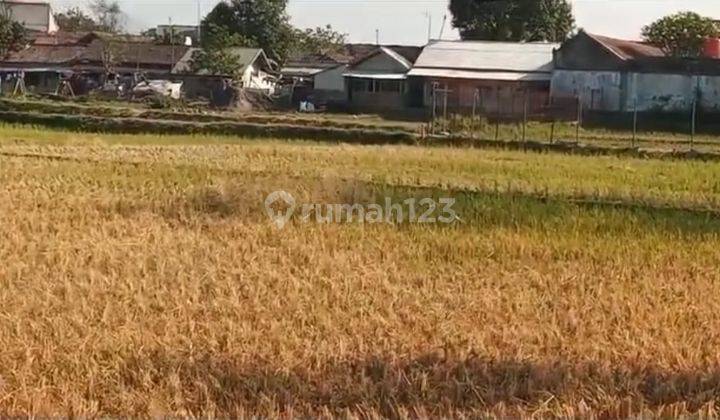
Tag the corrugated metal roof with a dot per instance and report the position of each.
(379, 76)
(301, 71)
(244, 56)
(488, 56)
(626, 49)
(396, 56)
(513, 76)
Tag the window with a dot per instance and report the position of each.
(388, 86)
(377, 86)
(361, 85)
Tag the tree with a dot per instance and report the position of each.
(681, 34)
(513, 20)
(256, 23)
(108, 15)
(12, 34)
(75, 20)
(216, 56)
(321, 40)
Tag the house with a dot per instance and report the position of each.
(614, 75)
(255, 71)
(378, 81)
(497, 78)
(94, 55)
(320, 75)
(303, 68)
(36, 16)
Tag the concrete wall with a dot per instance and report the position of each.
(618, 92)
(709, 93)
(660, 92)
(331, 80)
(33, 16)
(599, 90)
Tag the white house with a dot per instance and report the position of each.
(254, 68)
(35, 16)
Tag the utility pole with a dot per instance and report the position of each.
(199, 23)
(172, 43)
(442, 28)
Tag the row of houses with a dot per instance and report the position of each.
(88, 58)
(468, 75)
(509, 79)
(500, 78)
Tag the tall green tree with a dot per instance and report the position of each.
(76, 20)
(321, 40)
(513, 20)
(108, 15)
(681, 34)
(12, 34)
(257, 23)
(216, 56)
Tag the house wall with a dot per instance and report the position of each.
(380, 63)
(374, 97)
(42, 82)
(33, 16)
(584, 53)
(378, 101)
(618, 91)
(599, 90)
(710, 93)
(660, 92)
(331, 80)
(490, 97)
(255, 78)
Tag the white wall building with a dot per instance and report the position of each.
(33, 15)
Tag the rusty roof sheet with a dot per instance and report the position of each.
(128, 53)
(628, 50)
(47, 54)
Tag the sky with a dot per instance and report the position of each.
(406, 21)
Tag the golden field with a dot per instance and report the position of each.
(140, 276)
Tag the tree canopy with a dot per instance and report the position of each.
(76, 20)
(216, 56)
(256, 24)
(681, 34)
(513, 20)
(106, 17)
(12, 34)
(252, 23)
(321, 40)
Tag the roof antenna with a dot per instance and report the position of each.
(377, 36)
(428, 15)
(442, 28)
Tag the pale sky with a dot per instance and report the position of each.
(406, 21)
